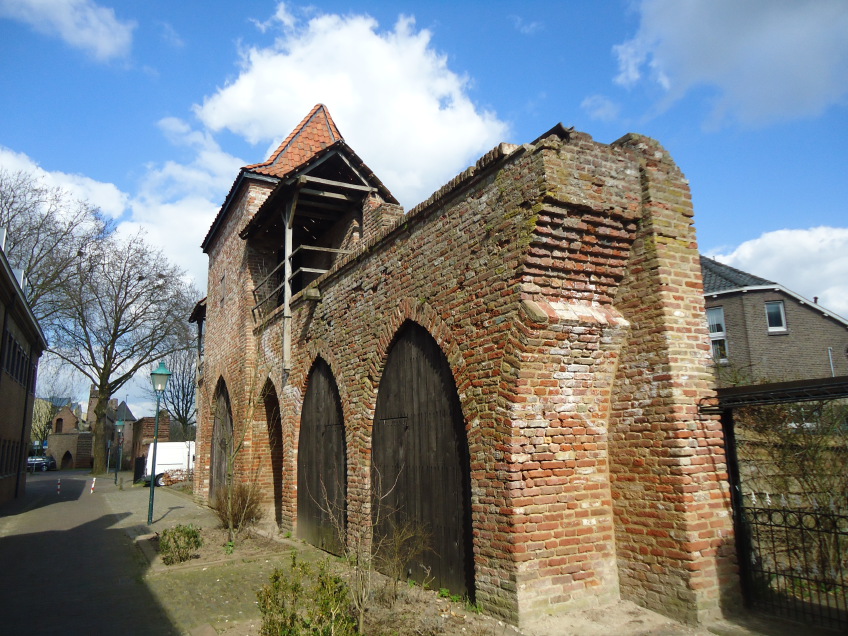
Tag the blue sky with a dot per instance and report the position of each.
(149, 108)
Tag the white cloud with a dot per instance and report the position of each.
(392, 95)
(525, 28)
(177, 203)
(769, 60)
(600, 108)
(106, 196)
(811, 262)
(281, 16)
(80, 23)
(170, 36)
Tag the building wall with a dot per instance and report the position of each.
(19, 353)
(77, 443)
(800, 352)
(138, 439)
(15, 424)
(561, 280)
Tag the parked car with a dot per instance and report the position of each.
(41, 463)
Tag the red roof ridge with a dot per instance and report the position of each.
(314, 133)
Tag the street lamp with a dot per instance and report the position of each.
(160, 381)
(119, 430)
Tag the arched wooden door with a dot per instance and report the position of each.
(421, 469)
(222, 439)
(275, 446)
(322, 464)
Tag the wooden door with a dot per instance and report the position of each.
(275, 447)
(222, 439)
(322, 464)
(420, 464)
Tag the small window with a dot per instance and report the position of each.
(775, 316)
(222, 289)
(718, 335)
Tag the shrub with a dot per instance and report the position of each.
(179, 544)
(237, 506)
(301, 601)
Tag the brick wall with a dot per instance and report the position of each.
(142, 434)
(800, 352)
(561, 281)
(72, 447)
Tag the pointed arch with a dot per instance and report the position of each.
(421, 467)
(274, 422)
(222, 439)
(322, 463)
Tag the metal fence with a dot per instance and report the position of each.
(792, 547)
(794, 563)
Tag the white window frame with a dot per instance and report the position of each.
(717, 335)
(782, 327)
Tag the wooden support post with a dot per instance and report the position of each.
(287, 292)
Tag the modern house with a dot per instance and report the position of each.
(21, 346)
(762, 331)
(514, 364)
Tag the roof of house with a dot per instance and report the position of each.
(720, 277)
(316, 132)
(723, 279)
(123, 413)
(313, 138)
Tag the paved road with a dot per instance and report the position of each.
(67, 563)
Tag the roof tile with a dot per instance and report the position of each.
(720, 277)
(315, 133)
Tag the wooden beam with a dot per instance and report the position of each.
(309, 270)
(315, 248)
(326, 205)
(321, 216)
(329, 195)
(355, 170)
(304, 179)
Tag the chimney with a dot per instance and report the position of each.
(815, 300)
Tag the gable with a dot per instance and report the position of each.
(315, 148)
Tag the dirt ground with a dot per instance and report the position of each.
(217, 590)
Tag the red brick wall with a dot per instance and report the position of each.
(674, 538)
(561, 281)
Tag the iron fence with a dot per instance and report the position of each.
(796, 563)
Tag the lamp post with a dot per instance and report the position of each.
(160, 381)
(119, 429)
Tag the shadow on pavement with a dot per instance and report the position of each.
(47, 488)
(66, 567)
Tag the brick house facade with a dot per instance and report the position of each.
(21, 345)
(560, 282)
(800, 341)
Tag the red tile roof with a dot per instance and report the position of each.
(312, 137)
(315, 133)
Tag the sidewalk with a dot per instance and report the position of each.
(68, 564)
(131, 505)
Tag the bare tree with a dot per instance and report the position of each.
(125, 308)
(53, 382)
(180, 395)
(43, 412)
(47, 230)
